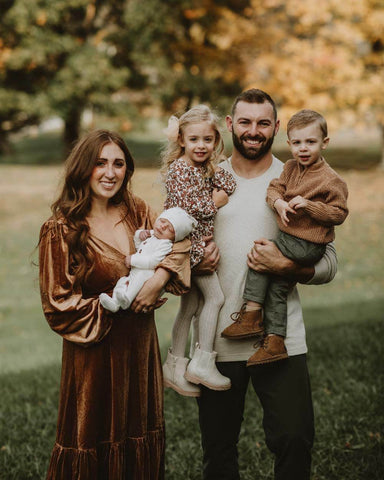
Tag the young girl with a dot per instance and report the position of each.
(196, 184)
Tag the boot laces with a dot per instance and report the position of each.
(263, 343)
(236, 316)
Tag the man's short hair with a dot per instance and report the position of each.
(254, 95)
(305, 117)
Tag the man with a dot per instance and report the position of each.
(282, 387)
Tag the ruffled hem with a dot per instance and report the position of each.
(140, 458)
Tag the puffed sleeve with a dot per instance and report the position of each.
(224, 180)
(178, 264)
(77, 319)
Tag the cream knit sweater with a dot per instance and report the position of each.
(245, 218)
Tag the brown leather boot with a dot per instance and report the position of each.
(272, 349)
(247, 324)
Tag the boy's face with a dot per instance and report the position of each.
(163, 229)
(307, 143)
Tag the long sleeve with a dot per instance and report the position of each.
(178, 264)
(186, 189)
(75, 318)
(326, 267)
(151, 252)
(334, 210)
(224, 180)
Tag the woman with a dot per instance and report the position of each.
(110, 423)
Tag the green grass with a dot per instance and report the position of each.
(47, 149)
(345, 327)
(348, 389)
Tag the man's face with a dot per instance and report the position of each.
(253, 129)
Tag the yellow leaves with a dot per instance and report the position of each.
(194, 13)
(41, 18)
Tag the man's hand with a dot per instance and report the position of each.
(210, 260)
(265, 257)
(298, 202)
(283, 208)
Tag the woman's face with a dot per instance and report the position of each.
(108, 173)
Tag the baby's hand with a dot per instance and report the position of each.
(144, 234)
(283, 208)
(298, 202)
(219, 197)
(127, 261)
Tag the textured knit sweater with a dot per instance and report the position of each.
(326, 193)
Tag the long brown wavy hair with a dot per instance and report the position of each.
(74, 202)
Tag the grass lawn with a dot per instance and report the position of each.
(345, 325)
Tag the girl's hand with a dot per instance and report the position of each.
(283, 208)
(127, 261)
(298, 202)
(144, 234)
(219, 197)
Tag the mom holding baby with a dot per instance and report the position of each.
(110, 421)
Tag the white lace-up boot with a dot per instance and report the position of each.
(173, 373)
(202, 369)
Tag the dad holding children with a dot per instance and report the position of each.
(283, 387)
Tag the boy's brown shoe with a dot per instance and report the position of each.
(246, 324)
(272, 349)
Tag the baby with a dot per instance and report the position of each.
(172, 225)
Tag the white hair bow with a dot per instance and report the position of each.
(172, 131)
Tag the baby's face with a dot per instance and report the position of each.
(163, 229)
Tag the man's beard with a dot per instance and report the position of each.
(252, 153)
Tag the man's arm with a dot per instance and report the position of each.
(265, 257)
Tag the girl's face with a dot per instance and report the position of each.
(198, 141)
(108, 173)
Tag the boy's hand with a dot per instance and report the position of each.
(219, 197)
(283, 208)
(298, 202)
(144, 234)
(127, 261)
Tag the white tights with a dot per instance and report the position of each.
(209, 288)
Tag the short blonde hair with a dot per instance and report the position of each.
(303, 118)
(173, 150)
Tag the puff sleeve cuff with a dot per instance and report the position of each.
(77, 319)
(178, 264)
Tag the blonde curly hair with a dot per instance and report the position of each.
(176, 126)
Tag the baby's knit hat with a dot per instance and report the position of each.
(181, 221)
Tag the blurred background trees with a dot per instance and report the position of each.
(129, 58)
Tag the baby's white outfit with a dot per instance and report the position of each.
(149, 253)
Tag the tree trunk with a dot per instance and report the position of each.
(382, 146)
(5, 144)
(72, 127)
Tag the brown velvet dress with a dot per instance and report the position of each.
(110, 421)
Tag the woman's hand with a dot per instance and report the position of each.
(148, 298)
(211, 258)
